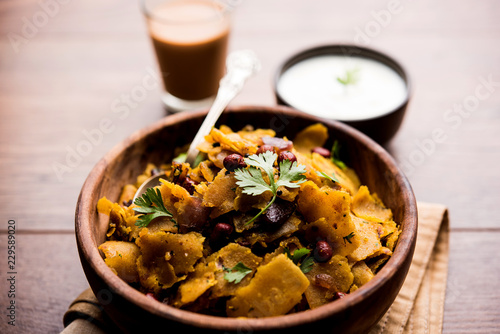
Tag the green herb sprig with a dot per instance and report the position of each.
(350, 77)
(150, 206)
(348, 237)
(306, 264)
(291, 175)
(335, 154)
(181, 158)
(332, 177)
(236, 273)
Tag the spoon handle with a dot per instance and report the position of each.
(240, 66)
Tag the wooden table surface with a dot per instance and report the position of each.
(66, 66)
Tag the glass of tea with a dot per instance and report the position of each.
(190, 39)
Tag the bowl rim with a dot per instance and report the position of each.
(339, 49)
(95, 261)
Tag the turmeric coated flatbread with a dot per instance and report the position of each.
(261, 226)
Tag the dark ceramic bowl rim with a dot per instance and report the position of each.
(339, 49)
(95, 261)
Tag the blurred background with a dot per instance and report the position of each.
(71, 69)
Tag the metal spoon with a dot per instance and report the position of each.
(240, 66)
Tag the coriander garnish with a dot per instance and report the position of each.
(306, 264)
(236, 273)
(350, 77)
(348, 237)
(180, 158)
(333, 178)
(336, 155)
(291, 175)
(297, 255)
(148, 212)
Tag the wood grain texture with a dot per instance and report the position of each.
(48, 276)
(472, 294)
(64, 80)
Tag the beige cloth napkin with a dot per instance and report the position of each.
(418, 308)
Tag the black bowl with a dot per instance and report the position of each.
(380, 128)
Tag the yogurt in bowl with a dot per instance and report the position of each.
(358, 86)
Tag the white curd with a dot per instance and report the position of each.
(312, 86)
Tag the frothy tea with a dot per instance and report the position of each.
(190, 39)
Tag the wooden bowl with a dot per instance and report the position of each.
(381, 128)
(133, 312)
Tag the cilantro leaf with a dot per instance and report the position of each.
(297, 255)
(350, 77)
(150, 206)
(199, 158)
(265, 161)
(180, 158)
(336, 155)
(326, 176)
(304, 265)
(252, 182)
(307, 264)
(290, 172)
(348, 237)
(237, 273)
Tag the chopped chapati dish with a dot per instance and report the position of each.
(260, 226)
